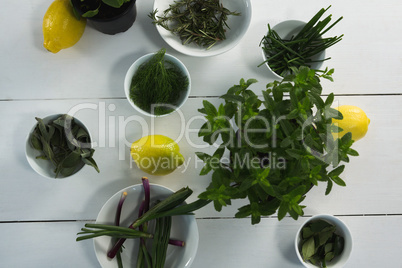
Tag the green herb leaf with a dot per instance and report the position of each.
(278, 151)
(157, 85)
(203, 22)
(209, 108)
(91, 162)
(55, 140)
(114, 3)
(308, 249)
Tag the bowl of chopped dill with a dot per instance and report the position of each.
(293, 43)
(202, 28)
(157, 84)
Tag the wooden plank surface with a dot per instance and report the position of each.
(223, 243)
(39, 217)
(367, 61)
(373, 184)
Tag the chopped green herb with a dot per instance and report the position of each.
(201, 22)
(64, 143)
(157, 84)
(299, 50)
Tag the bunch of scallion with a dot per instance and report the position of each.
(299, 50)
(157, 84)
(162, 213)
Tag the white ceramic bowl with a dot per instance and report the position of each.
(286, 29)
(183, 228)
(134, 67)
(44, 167)
(341, 229)
(238, 27)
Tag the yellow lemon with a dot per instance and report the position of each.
(156, 154)
(61, 29)
(354, 120)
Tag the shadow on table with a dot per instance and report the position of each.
(285, 237)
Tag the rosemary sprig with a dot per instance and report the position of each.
(284, 54)
(202, 22)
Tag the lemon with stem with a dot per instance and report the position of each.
(61, 29)
(354, 120)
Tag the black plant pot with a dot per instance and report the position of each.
(114, 24)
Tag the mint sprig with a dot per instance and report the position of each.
(278, 146)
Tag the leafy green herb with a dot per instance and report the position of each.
(64, 143)
(91, 8)
(157, 84)
(283, 54)
(201, 22)
(320, 243)
(275, 154)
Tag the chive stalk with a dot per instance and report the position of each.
(284, 54)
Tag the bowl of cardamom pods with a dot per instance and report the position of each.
(157, 84)
(202, 28)
(323, 241)
(59, 146)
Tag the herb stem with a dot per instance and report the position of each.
(283, 55)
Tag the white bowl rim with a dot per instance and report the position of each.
(202, 52)
(298, 23)
(34, 163)
(339, 223)
(131, 71)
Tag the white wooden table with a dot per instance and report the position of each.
(39, 217)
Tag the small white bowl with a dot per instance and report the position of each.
(341, 229)
(134, 67)
(286, 29)
(238, 28)
(44, 167)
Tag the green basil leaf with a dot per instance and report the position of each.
(308, 249)
(306, 232)
(323, 237)
(319, 225)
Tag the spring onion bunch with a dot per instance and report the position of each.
(299, 50)
(162, 213)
